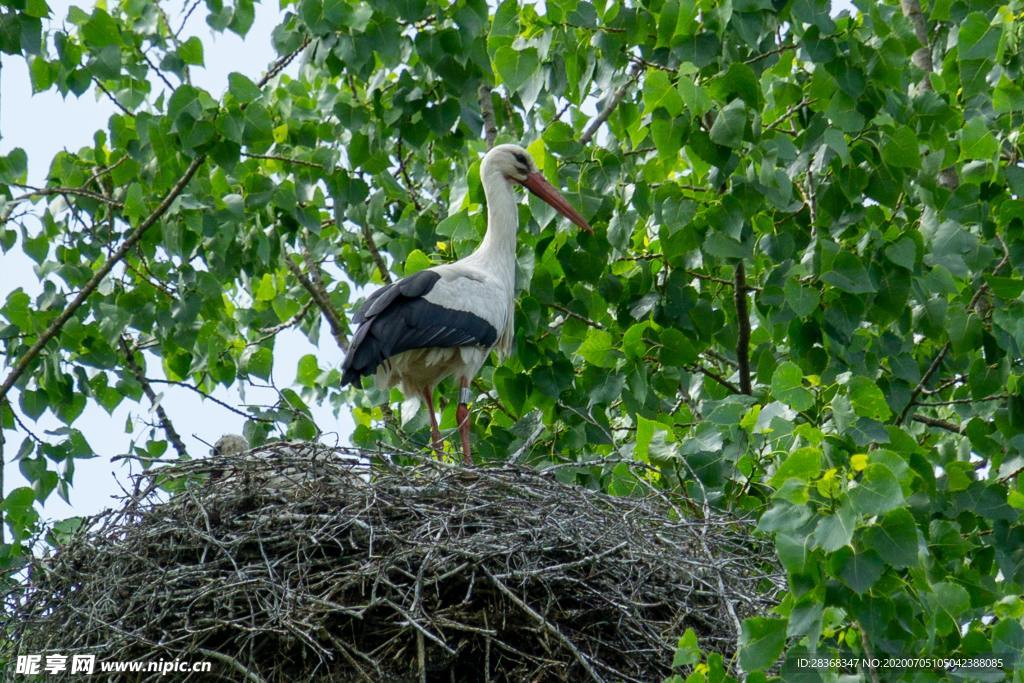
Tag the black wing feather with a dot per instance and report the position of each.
(397, 318)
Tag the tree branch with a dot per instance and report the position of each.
(284, 160)
(574, 314)
(205, 395)
(322, 302)
(133, 238)
(3, 492)
(935, 422)
(922, 58)
(161, 414)
(936, 362)
(610, 105)
(487, 112)
(718, 378)
(75, 191)
(378, 260)
(743, 329)
(110, 96)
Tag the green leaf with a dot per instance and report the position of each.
(1005, 287)
(803, 300)
(802, 464)
(134, 203)
(977, 38)
(18, 506)
(859, 571)
(676, 348)
(645, 432)
(787, 386)
(903, 252)
(659, 92)
(687, 650)
(41, 73)
(895, 539)
(416, 261)
(597, 348)
(513, 388)
(843, 112)
(191, 51)
(849, 275)
(516, 67)
(761, 642)
(633, 343)
(976, 141)
(308, 370)
(259, 362)
(949, 601)
(695, 98)
(729, 125)
(900, 149)
(101, 30)
(877, 491)
(836, 530)
(241, 88)
(868, 400)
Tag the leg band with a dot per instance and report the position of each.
(465, 395)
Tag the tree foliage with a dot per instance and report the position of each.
(803, 302)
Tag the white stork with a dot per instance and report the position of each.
(444, 320)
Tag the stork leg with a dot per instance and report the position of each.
(462, 417)
(435, 433)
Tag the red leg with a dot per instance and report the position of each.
(462, 416)
(435, 433)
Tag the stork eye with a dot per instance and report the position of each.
(521, 158)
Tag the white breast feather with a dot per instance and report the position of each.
(473, 291)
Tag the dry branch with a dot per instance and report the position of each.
(154, 400)
(302, 562)
(319, 296)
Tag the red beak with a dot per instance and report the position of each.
(539, 185)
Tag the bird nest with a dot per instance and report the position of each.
(295, 562)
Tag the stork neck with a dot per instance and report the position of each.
(499, 244)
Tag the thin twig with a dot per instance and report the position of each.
(232, 662)
(935, 422)
(958, 401)
(610, 105)
(577, 316)
(110, 96)
(285, 160)
(546, 625)
(154, 400)
(743, 329)
(74, 191)
(936, 362)
(718, 378)
(222, 404)
(378, 260)
(322, 302)
(769, 53)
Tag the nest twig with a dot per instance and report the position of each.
(296, 562)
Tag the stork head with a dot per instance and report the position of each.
(516, 165)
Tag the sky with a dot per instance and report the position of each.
(43, 125)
